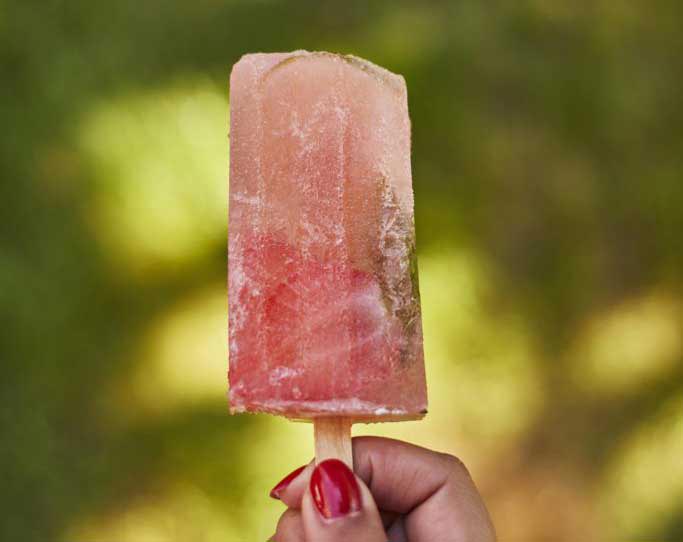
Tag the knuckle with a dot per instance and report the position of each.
(455, 466)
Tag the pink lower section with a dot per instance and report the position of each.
(318, 336)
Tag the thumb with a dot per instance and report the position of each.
(338, 507)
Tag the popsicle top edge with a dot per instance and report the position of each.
(265, 62)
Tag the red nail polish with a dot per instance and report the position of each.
(334, 489)
(282, 484)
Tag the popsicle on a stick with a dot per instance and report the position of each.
(324, 308)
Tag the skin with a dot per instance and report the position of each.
(409, 494)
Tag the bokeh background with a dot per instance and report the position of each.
(548, 170)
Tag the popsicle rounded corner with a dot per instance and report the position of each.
(264, 64)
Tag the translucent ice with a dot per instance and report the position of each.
(323, 294)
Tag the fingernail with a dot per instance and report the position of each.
(282, 484)
(334, 489)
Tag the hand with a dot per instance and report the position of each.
(400, 493)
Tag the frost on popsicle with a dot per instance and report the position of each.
(324, 303)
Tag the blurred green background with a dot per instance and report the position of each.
(548, 171)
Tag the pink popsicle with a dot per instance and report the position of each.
(324, 309)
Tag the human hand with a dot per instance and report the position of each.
(400, 493)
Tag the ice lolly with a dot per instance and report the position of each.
(324, 307)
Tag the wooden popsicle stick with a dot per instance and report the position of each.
(333, 439)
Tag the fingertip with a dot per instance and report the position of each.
(292, 494)
(337, 506)
(282, 485)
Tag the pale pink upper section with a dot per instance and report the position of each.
(324, 305)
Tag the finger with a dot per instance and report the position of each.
(291, 488)
(435, 490)
(338, 507)
(400, 475)
(290, 527)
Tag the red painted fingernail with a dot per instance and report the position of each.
(282, 484)
(334, 489)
